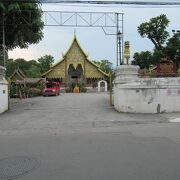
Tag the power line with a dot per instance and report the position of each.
(110, 2)
(120, 6)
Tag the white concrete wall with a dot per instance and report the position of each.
(3, 91)
(146, 95)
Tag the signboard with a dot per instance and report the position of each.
(166, 69)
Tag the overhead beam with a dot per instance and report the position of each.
(161, 3)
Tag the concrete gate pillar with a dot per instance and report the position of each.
(3, 91)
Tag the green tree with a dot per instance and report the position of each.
(156, 57)
(21, 64)
(22, 23)
(30, 68)
(155, 30)
(142, 59)
(45, 62)
(165, 47)
(12, 65)
(34, 71)
(172, 49)
(105, 65)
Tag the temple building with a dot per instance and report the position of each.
(75, 67)
(17, 75)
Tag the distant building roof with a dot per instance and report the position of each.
(18, 74)
(31, 81)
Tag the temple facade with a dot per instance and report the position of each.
(75, 67)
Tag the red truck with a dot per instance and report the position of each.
(51, 88)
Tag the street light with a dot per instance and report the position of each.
(119, 45)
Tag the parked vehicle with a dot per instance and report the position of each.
(51, 88)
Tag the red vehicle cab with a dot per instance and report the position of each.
(51, 88)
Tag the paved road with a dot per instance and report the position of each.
(79, 136)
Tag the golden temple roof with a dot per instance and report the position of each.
(75, 40)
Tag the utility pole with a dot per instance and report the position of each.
(117, 43)
(4, 45)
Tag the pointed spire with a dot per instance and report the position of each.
(75, 33)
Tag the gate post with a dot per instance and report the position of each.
(3, 91)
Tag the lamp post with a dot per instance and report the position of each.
(119, 46)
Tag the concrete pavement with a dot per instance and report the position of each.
(67, 113)
(79, 136)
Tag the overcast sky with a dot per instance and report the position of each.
(94, 42)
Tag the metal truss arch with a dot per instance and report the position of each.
(103, 20)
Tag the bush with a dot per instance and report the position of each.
(14, 91)
(83, 90)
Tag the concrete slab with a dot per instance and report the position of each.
(79, 136)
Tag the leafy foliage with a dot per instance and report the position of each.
(105, 65)
(34, 71)
(168, 48)
(142, 59)
(155, 30)
(12, 65)
(45, 62)
(172, 49)
(30, 68)
(23, 24)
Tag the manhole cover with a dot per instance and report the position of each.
(15, 167)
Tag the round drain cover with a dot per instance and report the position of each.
(15, 167)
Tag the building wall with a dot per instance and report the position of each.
(3, 91)
(92, 72)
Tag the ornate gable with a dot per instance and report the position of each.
(17, 75)
(92, 71)
(75, 55)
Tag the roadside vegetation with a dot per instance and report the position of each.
(166, 47)
(22, 23)
(32, 68)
